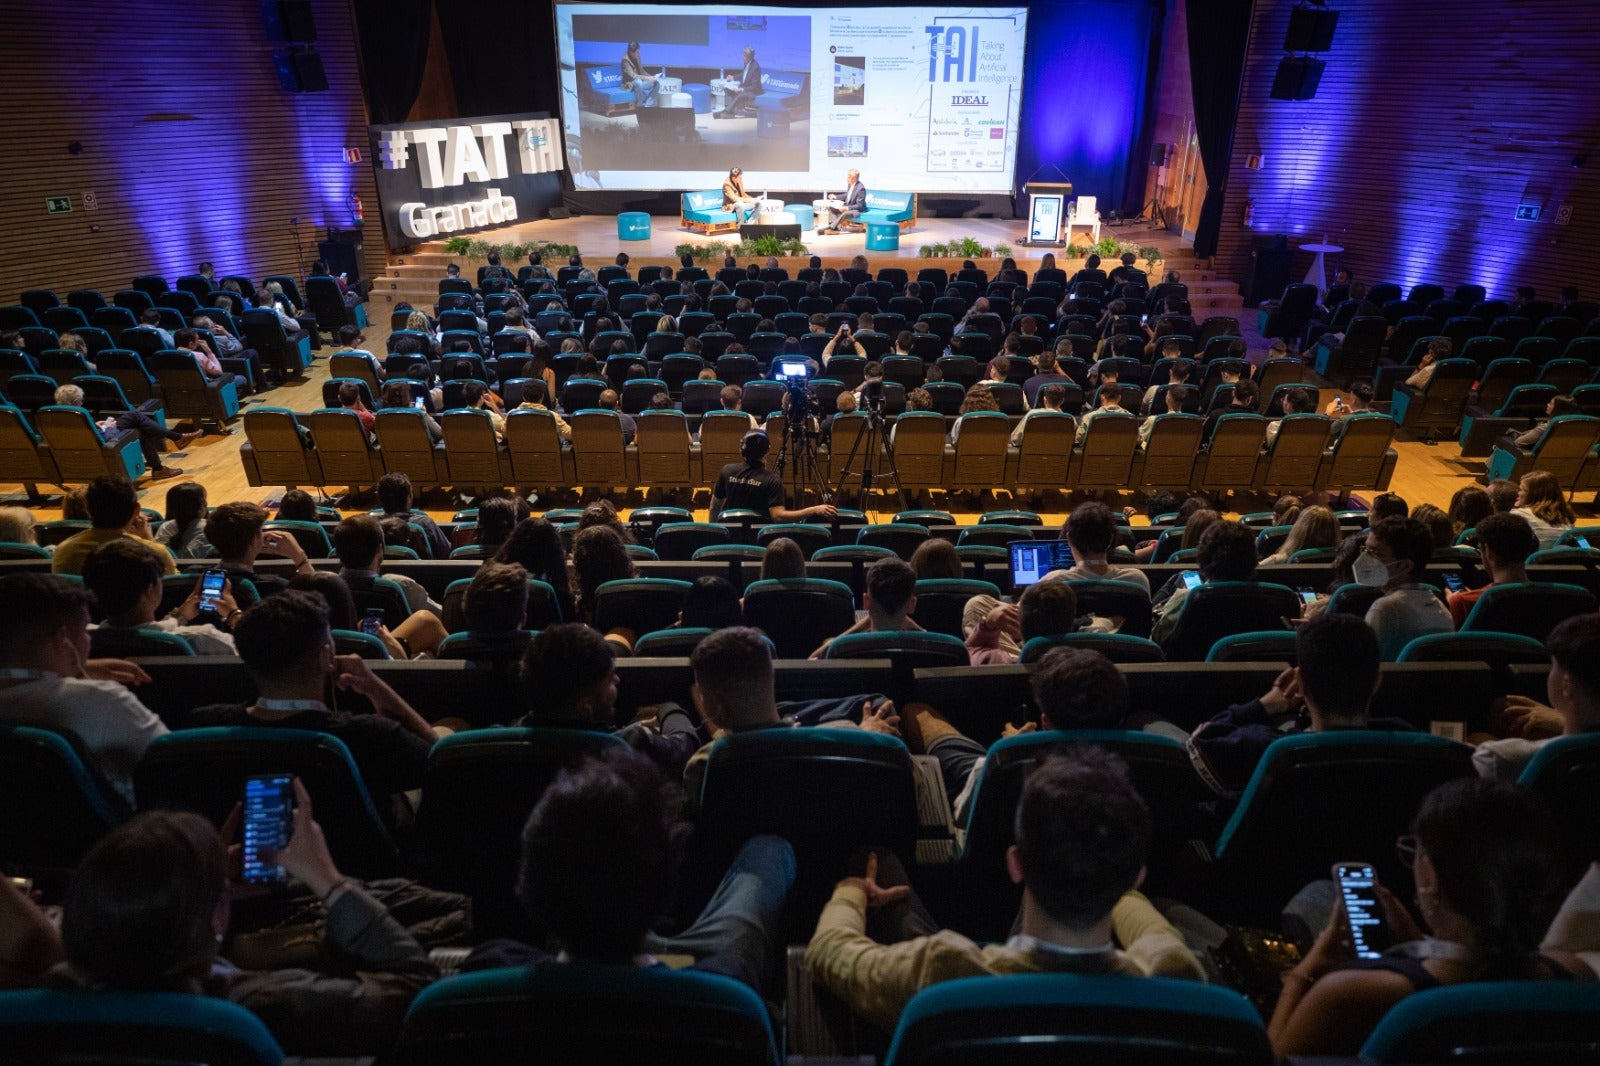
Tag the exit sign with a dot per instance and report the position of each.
(1529, 212)
(58, 205)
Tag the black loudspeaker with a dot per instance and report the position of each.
(300, 71)
(1310, 30)
(1158, 155)
(1271, 263)
(560, 212)
(1298, 78)
(289, 20)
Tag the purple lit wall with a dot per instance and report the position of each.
(1084, 96)
(190, 147)
(1433, 122)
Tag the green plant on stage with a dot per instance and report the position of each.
(1002, 250)
(684, 249)
(513, 253)
(1151, 256)
(479, 249)
(966, 248)
(1108, 248)
(457, 245)
(1076, 251)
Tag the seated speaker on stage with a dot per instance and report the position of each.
(644, 87)
(832, 210)
(735, 199)
(746, 89)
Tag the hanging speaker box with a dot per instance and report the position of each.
(1297, 78)
(1310, 30)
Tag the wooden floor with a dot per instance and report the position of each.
(1425, 474)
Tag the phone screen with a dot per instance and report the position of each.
(372, 621)
(420, 404)
(1583, 542)
(1308, 597)
(1453, 582)
(1356, 881)
(211, 590)
(1191, 579)
(268, 815)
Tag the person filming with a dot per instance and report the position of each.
(751, 485)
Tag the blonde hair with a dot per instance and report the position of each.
(1541, 494)
(72, 342)
(16, 525)
(1317, 527)
(664, 324)
(418, 321)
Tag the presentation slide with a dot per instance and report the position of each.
(916, 99)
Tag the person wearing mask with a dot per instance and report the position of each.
(1395, 555)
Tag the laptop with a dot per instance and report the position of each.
(1031, 560)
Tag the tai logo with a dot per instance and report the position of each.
(960, 47)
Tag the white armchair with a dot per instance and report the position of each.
(1083, 214)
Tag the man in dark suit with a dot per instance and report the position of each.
(749, 86)
(831, 212)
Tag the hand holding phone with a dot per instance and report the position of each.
(1191, 579)
(372, 621)
(212, 586)
(1363, 913)
(268, 820)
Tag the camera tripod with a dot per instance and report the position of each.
(799, 444)
(870, 437)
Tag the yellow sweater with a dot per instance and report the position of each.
(878, 980)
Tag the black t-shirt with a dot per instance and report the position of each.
(389, 757)
(749, 485)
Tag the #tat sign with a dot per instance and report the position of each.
(436, 180)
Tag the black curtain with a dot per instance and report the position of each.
(1219, 34)
(502, 60)
(394, 52)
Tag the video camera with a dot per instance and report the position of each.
(795, 375)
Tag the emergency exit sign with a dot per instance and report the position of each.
(58, 205)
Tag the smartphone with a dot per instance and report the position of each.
(1356, 882)
(1453, 582)
(1191, 579)
(1308, 596)
(1583, 542)
(420, 403)
(211, 586)
(372, 621)
(268, 818)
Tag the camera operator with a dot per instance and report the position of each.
(749, 484)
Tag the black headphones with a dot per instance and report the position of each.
(754, 446)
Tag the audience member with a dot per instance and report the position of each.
(936, 559)
(48, 680)
(1045, 608)
(1486, 857)
(1330, 689)
(1090, 531)
(1083, 836)
(1540, 501)
(1469, 506)
(113, 512)
(125, 577)
(235, 531)
(184, 531)
(358, 543)
(1226, 552)
(782, 560)
(1396, 553)
(1573, 688)
(749, 484)
(395, 500)
(888, 601)
(710, 602)
(1049, 398)
(152, 434)
(1316, 527)
(1242, 403)
(535, 545)
(1387, 505)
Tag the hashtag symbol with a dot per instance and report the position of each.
(393, 151)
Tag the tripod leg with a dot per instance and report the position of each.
(894, 469)
(844, 471)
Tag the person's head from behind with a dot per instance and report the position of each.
(1403, 546)
(1083, 834)
(234, 529)
(891, 590)
(394, 493)
(472, 393)
(1574, 682)
(1090, 530)
(569, 677)
(601, 854)
(598, 555)
(349, 394)
(1077, 688)
(334, 592)
(186, 503)
(497, 599)
(1387, 505)
(113, 502)
(733, 686)
(1540, 492)
(1504, 543)
(782, 560)
(1316, 527)
(44, 623)
(148, 905)
(1439, 525)
(497, 517)
(125, 577)
(1469, 506)
(1047, 608)
(18, 526)
(1226, 552)
(297, 505)
(1177, 396)
(69, 396)
(358, 542)
(710, 603)
(1245, 394)
(1488, 870)
(285, 638)
(936, 558)
(1338, 667)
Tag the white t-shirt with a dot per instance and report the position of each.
(114, 726)
(1548, 534)
(1102, 572)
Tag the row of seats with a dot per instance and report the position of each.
(664, 455)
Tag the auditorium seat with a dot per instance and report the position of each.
(204, 770)
(1564, 449)
(344, 453)
(642, 604)
(1490, 1021)
(811, 537)
(189, 395)
(535, 452)
(116, 642)
(941, 601)
(1362, 457)
(1530, 608)
(1118, 647)
(1218, 609)
(582, 1012)
(1108, 598)
(901, 538)
(1292, 460)
(57, 1025)
(1168, 459)
(1269, 646)
(406, 448)
(798, 614)
(1104, 458)
(41, 770)
(1318, 798)
(264, 332)
(78, 449)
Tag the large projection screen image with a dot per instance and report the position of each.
(918, 99)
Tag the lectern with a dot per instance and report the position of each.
(1047, 212)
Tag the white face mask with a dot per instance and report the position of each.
(1370, 570)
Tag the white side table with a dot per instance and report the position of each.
(1318, 274)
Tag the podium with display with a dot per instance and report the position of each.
(1047, 213)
